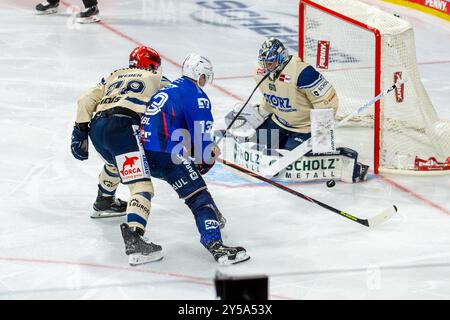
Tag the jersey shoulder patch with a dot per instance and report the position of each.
(308, 78)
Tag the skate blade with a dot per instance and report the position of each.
(240, 257)
(92, 19)
(49, 11)
(136, 259)
(106, 214)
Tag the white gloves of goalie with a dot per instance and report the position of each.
(251, 117)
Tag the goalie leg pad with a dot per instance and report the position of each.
(352, 170)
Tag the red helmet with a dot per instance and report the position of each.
(145, 58)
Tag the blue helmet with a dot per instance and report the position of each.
(272, 50)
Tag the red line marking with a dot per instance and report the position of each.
(415, 195)
(196, 280)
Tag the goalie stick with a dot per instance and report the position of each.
(242, 108)
(298, 152)
(371, 222)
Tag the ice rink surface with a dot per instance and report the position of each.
(51, 249)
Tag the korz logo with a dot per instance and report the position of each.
(323, 88)
(211, 224)
(203, 103)
(399, 91)
(323, 53)
(277, 102)
(129, 162)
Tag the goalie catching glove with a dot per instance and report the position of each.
(248, 120)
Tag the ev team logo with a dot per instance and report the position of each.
(130, 166)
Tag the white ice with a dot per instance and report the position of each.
(51, 249)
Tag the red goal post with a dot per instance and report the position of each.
(406, 130)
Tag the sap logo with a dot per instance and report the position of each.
(203, 103)
(278, 102)
(323, 88)
(211, 224)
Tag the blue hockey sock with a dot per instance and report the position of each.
(202, 206)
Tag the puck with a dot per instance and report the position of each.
(331, 183)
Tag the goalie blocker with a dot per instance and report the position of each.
(323, 163)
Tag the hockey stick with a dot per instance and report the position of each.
(298, 152)
(242, 108)
(371, 222)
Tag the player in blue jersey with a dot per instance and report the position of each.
(178, 144)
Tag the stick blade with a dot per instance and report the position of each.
(382, 217)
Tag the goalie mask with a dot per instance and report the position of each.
(194, 66)
(273, 56)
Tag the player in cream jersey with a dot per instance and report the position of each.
(129, 88)
(110, 114)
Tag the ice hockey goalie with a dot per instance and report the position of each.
(298, 103)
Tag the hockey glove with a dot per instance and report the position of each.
(205, 167)
(80, 142)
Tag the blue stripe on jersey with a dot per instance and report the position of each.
(136, 101)
(308, 78)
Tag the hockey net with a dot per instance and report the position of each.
(362, 50)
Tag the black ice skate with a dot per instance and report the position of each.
(47, 8)
(139, 249)
(89, 15)
(227, 255)
(108, 207)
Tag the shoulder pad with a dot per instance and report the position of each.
(308, 78)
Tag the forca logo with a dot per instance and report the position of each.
(130, 163)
